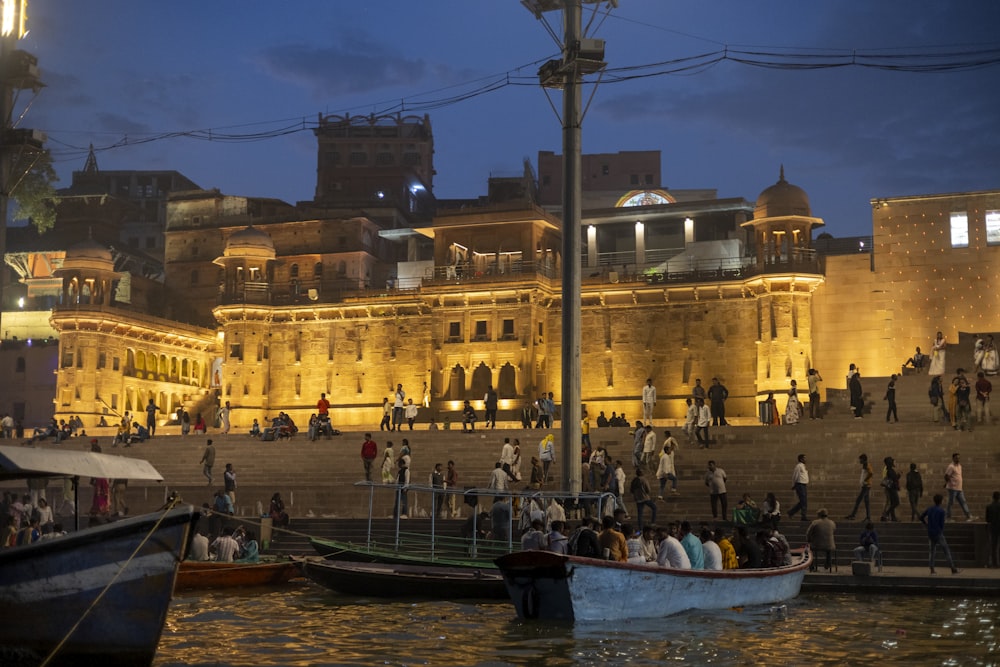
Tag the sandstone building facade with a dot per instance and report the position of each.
(374, 284)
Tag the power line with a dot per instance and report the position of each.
(943, 59)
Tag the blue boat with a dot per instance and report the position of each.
(96, 596)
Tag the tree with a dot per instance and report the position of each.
(31, 179)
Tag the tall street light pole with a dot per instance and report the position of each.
(579, 57)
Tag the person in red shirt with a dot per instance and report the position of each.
(323, 406)
(369, 450)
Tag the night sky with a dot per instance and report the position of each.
(156, 79)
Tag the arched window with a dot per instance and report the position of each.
(318, 270)
(294, 271)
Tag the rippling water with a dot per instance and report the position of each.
(303, 624)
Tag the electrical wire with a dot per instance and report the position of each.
(927, 61)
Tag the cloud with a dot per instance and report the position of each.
(353, 64)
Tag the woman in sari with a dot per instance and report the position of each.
(937, 366)
(792, 407)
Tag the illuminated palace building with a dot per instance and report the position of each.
(376, 282)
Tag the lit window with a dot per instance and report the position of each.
(960, 230)
(993, 227)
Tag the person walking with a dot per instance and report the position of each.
(704, 421)
(666, 471)
(207, 461)
(890, 399)
(914, 490)
(800, 484)
(934, 517)
(715, 480)
(953, 482)
(864, 495)
(641, 494)
(890, 482)
(369, 450)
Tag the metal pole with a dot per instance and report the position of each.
(571, 393)
(8, 44)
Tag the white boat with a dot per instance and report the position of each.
(546, 585)
(95, 596)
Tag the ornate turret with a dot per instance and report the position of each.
(248, 262)
(783, 224)
(88, 274)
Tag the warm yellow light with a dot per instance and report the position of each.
(14, 18)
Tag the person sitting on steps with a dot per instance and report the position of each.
(918, 361)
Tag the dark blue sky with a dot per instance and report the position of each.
(123, 71)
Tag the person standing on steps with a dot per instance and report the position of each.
(451, 482)
(369, 451)
(864, 495)
(715, 480)
(717, 395)
(386, 423)
(937, 366)
(207, 461)
(490, 402)
(934, 517)
(224, 417)
(914, 490)
(800, 484)
(398, 408)
(890, 399)
(857, 393)
(814, 378)
(648, 401)
(151, 410)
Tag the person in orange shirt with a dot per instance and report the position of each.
(612, 542)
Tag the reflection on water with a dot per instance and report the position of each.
(303, 624)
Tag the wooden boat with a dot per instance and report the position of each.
(406, 581)
(98, 595)
(337, 551)
(546, 585)
(194, 575)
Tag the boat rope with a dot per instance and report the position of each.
(174, 501)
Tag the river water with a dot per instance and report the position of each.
(304, 624)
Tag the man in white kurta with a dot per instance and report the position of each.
(648, 401)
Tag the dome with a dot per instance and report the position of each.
(782, 199)
(250, 242)
(89, 255)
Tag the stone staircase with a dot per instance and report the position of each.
(317, 479)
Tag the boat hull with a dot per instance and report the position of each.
(551, 586)
(47, 587)
(406, 581)
(194, 575)
(335, 551)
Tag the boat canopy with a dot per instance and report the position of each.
(25, 462)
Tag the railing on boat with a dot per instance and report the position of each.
(401, 540)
